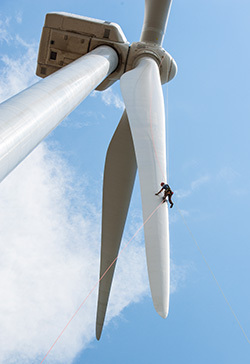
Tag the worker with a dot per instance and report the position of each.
(167, 193)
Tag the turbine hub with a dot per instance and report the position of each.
(166, 63)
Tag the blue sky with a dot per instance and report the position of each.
(51, 204)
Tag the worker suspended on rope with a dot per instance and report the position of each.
(167, 193)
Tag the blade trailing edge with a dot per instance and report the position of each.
(119, 175)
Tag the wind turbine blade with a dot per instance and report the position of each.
(143, 97)
(155, 20)
(119, 176)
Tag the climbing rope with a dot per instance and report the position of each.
(212, 274)
(96, 284)
(122, 250)
(185, 223)
(167, 132)
(140, 228)
(163, 172)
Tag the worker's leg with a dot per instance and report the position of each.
(170, 200)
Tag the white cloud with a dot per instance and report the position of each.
(49, 252)
(49, 249)
(194, 186)
(228, 174)
(49, 261)
(4, 32)
(232, 180)
(110, 98)
(5, 28)
(17, 73)
(199, 182)
(176, 214)
(178, 274)
(83, 119)
(19, 17)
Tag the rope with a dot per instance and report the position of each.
(190, 232)
(164, 177)
(212, 274)
(167, 131)
(121, 251)
(96, 284)
(152, 136)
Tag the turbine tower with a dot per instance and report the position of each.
(77, 55)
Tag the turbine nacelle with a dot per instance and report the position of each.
(67, 37)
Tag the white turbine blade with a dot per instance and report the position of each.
(27, 118)
(119, 176)
(143, 97)
(155, 20)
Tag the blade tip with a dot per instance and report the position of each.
(98, 333)
(163, 314)
(163, 311)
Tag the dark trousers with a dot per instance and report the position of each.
(169, 195)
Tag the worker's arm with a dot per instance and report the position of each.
(159, 192)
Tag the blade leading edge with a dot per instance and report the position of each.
(143, 97)
(119, 175)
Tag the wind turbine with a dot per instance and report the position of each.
(77, 55)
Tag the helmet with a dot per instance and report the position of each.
(162, 184)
